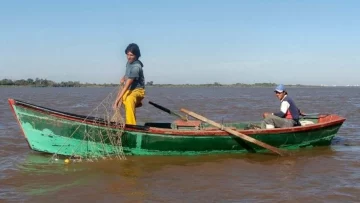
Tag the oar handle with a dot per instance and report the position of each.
(168, 111)
(313, 115)
(310, 114)
(236, 133)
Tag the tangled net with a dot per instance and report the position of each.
(101, 131)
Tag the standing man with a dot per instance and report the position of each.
(134, 84)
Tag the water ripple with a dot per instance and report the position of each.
(320, 174)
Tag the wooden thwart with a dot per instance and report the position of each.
(233, 132)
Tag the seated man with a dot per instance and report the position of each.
(288, 116)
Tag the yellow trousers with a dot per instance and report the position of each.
(131, 100)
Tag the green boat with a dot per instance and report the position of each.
(60, 133)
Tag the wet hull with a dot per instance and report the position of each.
(62, 133)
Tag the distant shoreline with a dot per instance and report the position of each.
(171, 85)
(49, 83)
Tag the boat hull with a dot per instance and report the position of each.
(65, 134)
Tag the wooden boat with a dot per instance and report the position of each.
(56, 132)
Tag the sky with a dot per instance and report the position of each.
(183, 42)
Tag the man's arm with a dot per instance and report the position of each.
(283, 109)
(121, 93)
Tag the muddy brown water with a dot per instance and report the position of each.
(321, 174)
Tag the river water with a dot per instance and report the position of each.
(320, 174)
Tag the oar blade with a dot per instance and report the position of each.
(168, 111)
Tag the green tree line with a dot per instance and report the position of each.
(38, 82)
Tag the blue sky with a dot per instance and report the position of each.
(187, 41)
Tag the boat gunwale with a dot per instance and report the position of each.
(176, 132)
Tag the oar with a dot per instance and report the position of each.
(310, 114)
(313, 115)
(168, 111)
(233, 132)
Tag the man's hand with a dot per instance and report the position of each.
(116, 104)
(122, 81)
(266, 114)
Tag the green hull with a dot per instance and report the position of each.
(67, 134)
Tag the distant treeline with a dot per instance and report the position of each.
(49, 83)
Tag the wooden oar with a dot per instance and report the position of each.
(168, 111)
(233, 132)
(312, 115)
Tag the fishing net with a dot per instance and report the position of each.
(100, 132)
